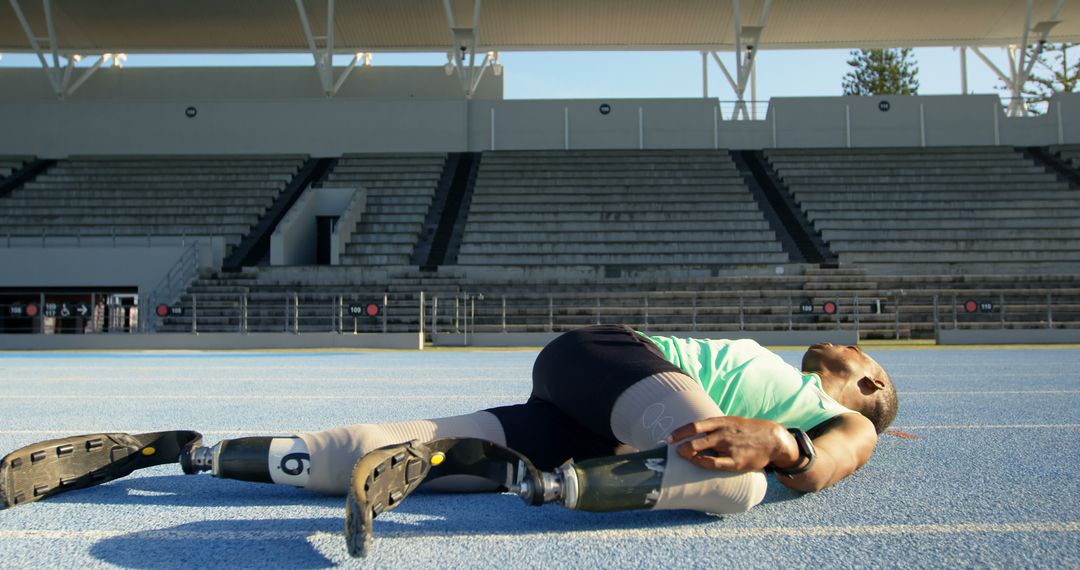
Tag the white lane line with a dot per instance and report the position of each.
(274, 397)
(280, 431)
(681, 533)
(984, 392)
(992, 426)
(320, 397)
(63, 432)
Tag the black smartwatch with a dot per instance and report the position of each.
(806, 450)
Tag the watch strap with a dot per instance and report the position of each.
(806, 451)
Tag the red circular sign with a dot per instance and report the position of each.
(372, 310)
(31, 310)
(971, 306)
(829, 307)
(162, 310)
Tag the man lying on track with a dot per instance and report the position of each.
(709, 416)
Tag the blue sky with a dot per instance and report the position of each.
(561, 75)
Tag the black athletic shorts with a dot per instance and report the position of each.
(576, 380)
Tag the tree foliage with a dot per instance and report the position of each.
(882, 72)
(1056, 70)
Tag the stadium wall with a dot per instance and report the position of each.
(246, 111)
(127, 266)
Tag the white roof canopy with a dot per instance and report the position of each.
(260, 26)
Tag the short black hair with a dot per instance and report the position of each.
(885, 406)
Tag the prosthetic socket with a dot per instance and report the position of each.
(259, 459)
(655, 479)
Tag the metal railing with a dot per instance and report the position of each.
(891, 314)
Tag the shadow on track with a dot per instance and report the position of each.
(221, 544)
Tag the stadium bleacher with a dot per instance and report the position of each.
(146, 197)
(952, 210)
(670, 239)
(620, 211)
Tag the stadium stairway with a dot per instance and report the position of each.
(451, 212)
(801, 242)
(972, 210)
(15, 171)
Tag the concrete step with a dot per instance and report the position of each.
(917, 220)
(476, 229)
(955, 246)
(558, 198)
(45, 185)
(613, 208)
(625, 179)
(932, 187)
(21, 200)
(677, 236)
(28, 212)
(484, 188)
(143, 219)
(373, 260)
(957, 169)
(379, 248)
(745, 215)
(920, 178)
(898, 211)
(642, 259)
(194, 175)
(987, 233)
(962, 257)
(652, 247)
(941, 194)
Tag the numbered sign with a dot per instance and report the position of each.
(364, 310)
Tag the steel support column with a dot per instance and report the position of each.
(747, 40)
(1020, 64)
(462, 55)
(322, 50)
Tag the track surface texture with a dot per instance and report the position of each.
(983, 473)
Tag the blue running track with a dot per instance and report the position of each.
(988, 474)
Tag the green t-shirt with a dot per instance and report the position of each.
(747, 380)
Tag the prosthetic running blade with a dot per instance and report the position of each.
(383, 478)
(56, 466)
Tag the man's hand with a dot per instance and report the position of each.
(736, 444)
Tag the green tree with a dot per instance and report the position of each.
(882, 72)
(1055, 71)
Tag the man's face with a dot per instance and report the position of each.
(840, 361)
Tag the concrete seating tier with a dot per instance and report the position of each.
(148, 196)
(939, 210)
(400, 189)
(569, 209)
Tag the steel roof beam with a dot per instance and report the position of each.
(50, 72)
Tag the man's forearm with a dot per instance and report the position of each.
(820, 475)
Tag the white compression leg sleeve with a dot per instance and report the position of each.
(648, 411)
(334, 452)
